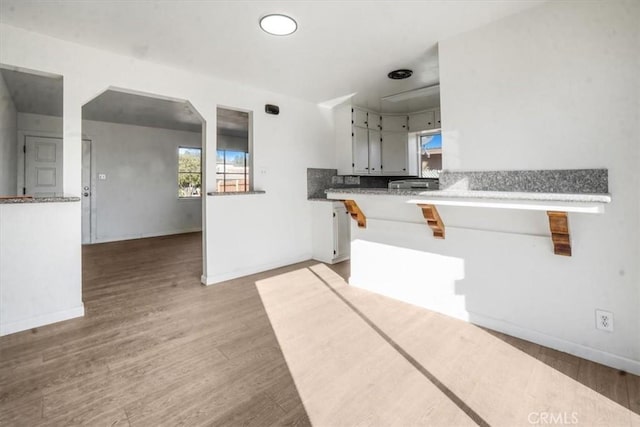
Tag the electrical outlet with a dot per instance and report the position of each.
(604, 320)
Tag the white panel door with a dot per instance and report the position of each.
(43, 166)
(394, 153)
(86, 191)
(360, 150)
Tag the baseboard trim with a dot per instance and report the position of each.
(223, 277)
(595, 355)
(42, 320)
(147, 235)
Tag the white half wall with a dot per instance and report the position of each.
(8, 144)
(40, 282)
(555, 87)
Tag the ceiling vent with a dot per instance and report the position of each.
(400, 74)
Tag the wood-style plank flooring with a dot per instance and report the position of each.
(293, 346)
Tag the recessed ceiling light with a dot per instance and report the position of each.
(278, 25)
(400, 74)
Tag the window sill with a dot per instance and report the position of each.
(235, 193)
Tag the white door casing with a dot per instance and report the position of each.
(86, 192)
(43, 166)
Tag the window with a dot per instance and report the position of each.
(232, 171)
(430, 155)
(233, 160)
(189, 172)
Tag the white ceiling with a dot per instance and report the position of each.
(340, 47)
(37, 94)
(33, 93)
(121, 107)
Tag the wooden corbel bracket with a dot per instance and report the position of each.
(356, 213)
(559, 225)
(434, 221)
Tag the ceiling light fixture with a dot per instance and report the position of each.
(278, 25)
(413, 93)
(400, 74)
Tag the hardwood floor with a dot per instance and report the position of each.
(293, 346)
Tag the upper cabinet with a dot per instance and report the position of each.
(423, 121)
(366, 119)
(394, 123)
(359, 118)
(368, 143)
(373, 121)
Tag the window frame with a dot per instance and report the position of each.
(246, 172)
(199, 196)
(420, 135)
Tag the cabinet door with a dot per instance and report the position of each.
(394, 153)
(373, 121)
(341, 232)
(438, 124)
(360, 150)
(394, 123)
(375, 157)
(359, 118)
(422, 121)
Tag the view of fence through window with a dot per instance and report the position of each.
(430, 155)
(232, 171)
(189, 172)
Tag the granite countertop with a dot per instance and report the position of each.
(18, 200)
(472, 194)
(235, 193)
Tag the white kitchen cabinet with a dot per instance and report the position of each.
(331, 231)
(395, 158)
(367, 158)
(422, 121)
(373, 121)
(394, 123)
(359, 118)
(438, 124)
(375, 153)
(360, 150)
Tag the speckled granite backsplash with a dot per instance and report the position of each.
(319, 180)
(574, 181)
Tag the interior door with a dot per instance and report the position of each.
(86, 191)
(42, 166)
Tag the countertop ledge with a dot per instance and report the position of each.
(19, 200)
(467, 194)
(235, 193)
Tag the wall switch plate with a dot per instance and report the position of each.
(102, 176)
(604, 320)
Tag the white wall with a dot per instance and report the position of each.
(8, 160)
(139, 198)
(39, 255)
(284, 145)
(554, 87)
